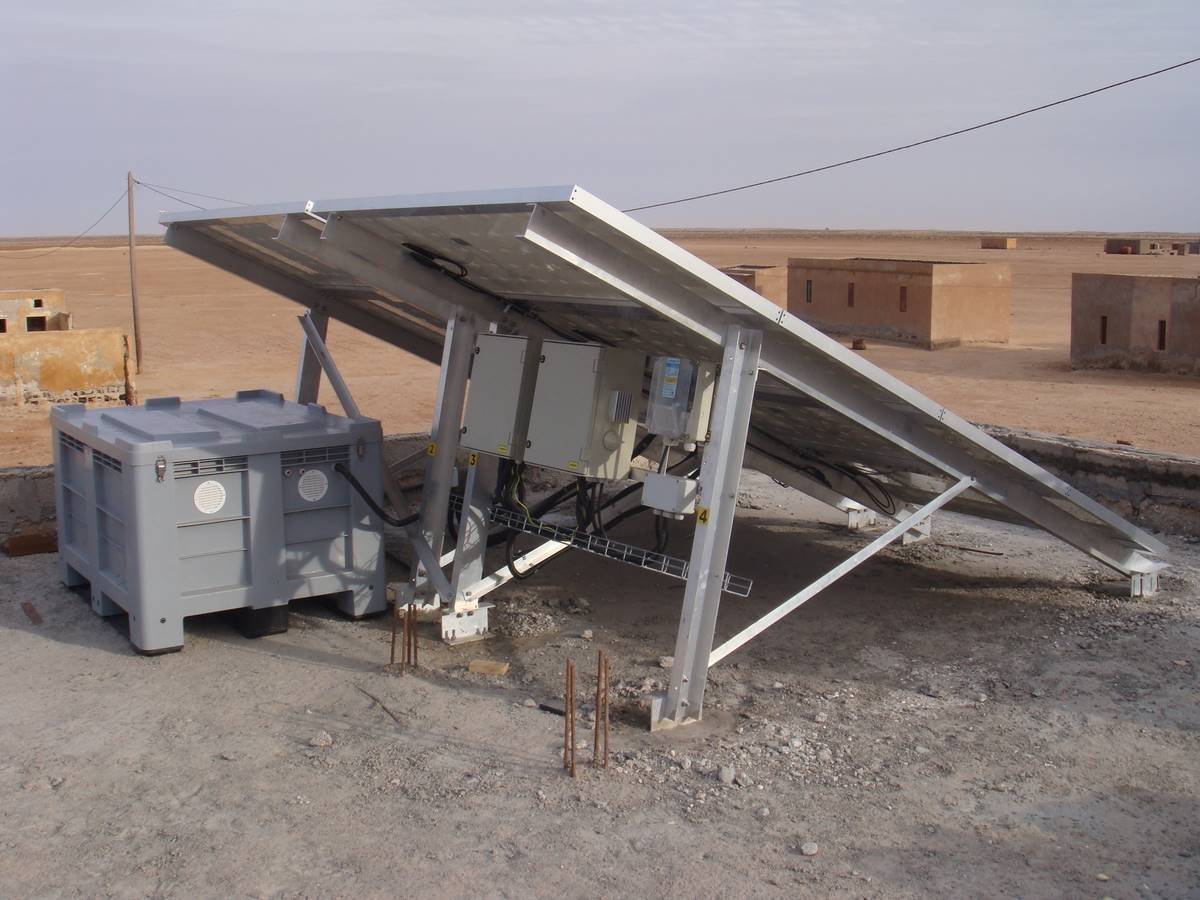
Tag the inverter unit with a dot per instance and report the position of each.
(585, 409)
(174, 509)
(503, 373)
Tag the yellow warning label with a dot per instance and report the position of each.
(472, 459)
(502, 448)
(572, 464)
(702, 515)
(431, 450)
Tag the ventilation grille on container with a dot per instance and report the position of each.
(191, 467)
(109, 462)
(314, 455)
(74, 443)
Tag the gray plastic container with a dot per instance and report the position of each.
(174, 509)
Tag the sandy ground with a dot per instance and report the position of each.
(209, 334)
(943, 722)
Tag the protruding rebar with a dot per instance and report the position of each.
(395, 621)
(569, 718)
(600, 736)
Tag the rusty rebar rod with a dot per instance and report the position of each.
(573, 713)
(599, 708)
(395, 620)
(607, 695)
(569, 717)
(412, 634)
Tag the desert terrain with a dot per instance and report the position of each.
(207, 334)
(984, 714)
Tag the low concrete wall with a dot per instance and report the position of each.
(27, 523)
(63, 366)
(1160, 491)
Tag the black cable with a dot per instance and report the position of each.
(940, 137)
(74, 240)
(877, 493)
(342, 470)
(171, 197)
(189, 193)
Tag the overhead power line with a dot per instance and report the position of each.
(171, 196)
(72, 241)
(165, 187)
(930, 140)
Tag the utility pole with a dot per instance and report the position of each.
(137, 325)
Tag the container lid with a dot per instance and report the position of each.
(251, 421)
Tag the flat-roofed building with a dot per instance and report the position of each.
(1133, 246)
(1147, 322)
(997, 242)
(770, 281)
(43, 360)
(924, 302)
(33, 310)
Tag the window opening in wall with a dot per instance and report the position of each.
(850, 294)
(1104, 330)
(3, 326)
(37, 303)
(903, 298)
(1162, 334)
(35, 323)
(808, 291)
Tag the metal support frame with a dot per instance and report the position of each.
(308, 372)
(797, 600)
(828, 383)
(716, 502)
(858, 516)
(314, 348)
(467, 619)
(314, 344)
(385, 328)
(442, 450)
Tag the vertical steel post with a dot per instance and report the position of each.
(308, 372)
(716, 502)
(457, 353)
(472, 531)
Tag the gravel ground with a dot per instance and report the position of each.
(941, 722)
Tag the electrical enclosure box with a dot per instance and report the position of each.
(174, 509)
(503, 373)
(681, 393)
(669, 493)
(585, 409)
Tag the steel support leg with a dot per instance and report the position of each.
(467, 619)
(443, 446)
(308, 373)
(715, 505)
(797, 600)
(314, 345)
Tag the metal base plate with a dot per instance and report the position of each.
(658, 704)
(465, 627)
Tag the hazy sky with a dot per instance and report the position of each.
(636, 101)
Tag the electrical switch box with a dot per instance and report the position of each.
(669, 493)
(585, 411)
(500, 395)
(178, 508)
(681, 393)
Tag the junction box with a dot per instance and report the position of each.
(585, 411)
(503, 373)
